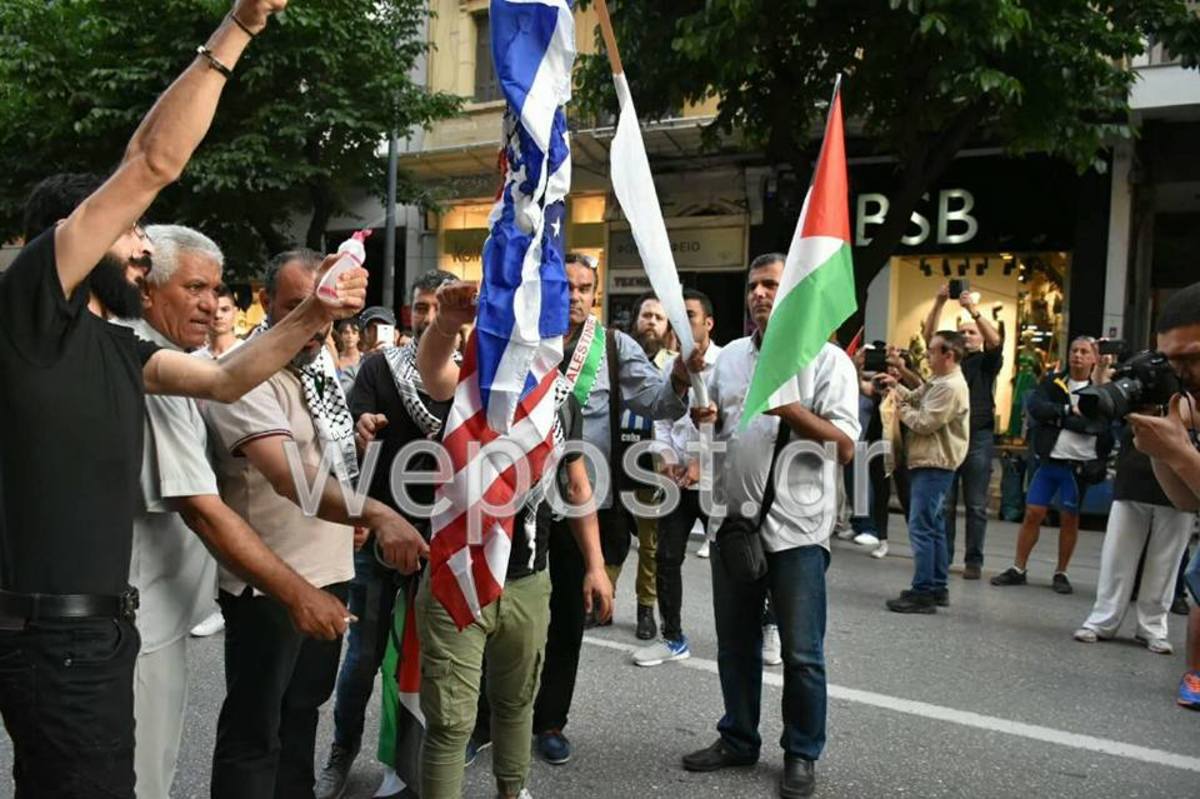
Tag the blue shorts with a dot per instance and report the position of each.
(1055, 477)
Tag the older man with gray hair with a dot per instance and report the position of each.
(171, 567)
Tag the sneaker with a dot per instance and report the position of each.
(331, 782)
(1061, 584)
(1085, 635)
(772, 651)
(646, 626)
(703, 551)
(475, 746)
(880, 551)
(1180, 606)
(553, 747)
(1010, 576)
(1158, 646)
(972, 571)
(845, 534)
(662, 652)
(1189, 691)
(213, 624)
(913, 602)
(866, 540)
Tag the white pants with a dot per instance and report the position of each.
(159, 702)
(1133, 526)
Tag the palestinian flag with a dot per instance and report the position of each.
(402, 728)
(816, 292)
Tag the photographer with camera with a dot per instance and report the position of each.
(937, 416)
(1173, 446)
(1071, 450)
(982, 363)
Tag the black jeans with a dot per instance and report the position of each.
(565, 635)
(673, 532)
(66, 693)
(617, 525)
(275, 682)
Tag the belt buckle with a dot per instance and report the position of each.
(130, 602)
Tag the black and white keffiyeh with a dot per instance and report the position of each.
(326, 403)
(402, 361)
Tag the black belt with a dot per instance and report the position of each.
(31, 607)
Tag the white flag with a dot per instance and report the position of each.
(634, 188)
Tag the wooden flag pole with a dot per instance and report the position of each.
(610, 39)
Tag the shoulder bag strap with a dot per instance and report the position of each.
(781, 441)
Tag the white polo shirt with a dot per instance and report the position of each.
(829, 388)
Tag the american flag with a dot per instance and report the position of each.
(505, 393)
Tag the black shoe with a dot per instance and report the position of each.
(331, 782)
(972, 571)
(715, 757)
(1010, 576)
(1180, 606)
(913, 602)
(799, 778)
(941, 596)
(647, 629)
(1061, 584)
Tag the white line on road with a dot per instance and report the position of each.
(977, 720)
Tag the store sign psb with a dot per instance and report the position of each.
(955, 223)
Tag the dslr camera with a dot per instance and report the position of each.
(1144, 379)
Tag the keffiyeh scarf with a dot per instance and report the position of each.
(326, 403)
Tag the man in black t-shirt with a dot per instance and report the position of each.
(980, 366)
(71, 421)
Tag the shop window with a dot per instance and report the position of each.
(487, 87)
(1022, 294)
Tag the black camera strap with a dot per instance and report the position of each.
(781, 441)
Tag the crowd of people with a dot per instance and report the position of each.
(185, 463)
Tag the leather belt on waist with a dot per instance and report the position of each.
(31, 607)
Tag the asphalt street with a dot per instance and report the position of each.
(991, 697)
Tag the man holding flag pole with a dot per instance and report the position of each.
(785, 381)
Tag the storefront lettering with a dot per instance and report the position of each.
(955, 223)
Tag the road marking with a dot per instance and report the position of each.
(979, 721)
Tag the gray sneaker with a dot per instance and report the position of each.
(331, 782)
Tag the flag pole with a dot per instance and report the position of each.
(610, 39)
(678, 319)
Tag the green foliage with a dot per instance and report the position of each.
(303, 122)
(923, 76)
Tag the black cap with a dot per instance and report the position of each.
(377, 313)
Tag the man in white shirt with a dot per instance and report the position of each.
(673, 529)
(795, 538)
(170, 565)
(221, 338)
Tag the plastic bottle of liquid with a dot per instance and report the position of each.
(353, 255)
